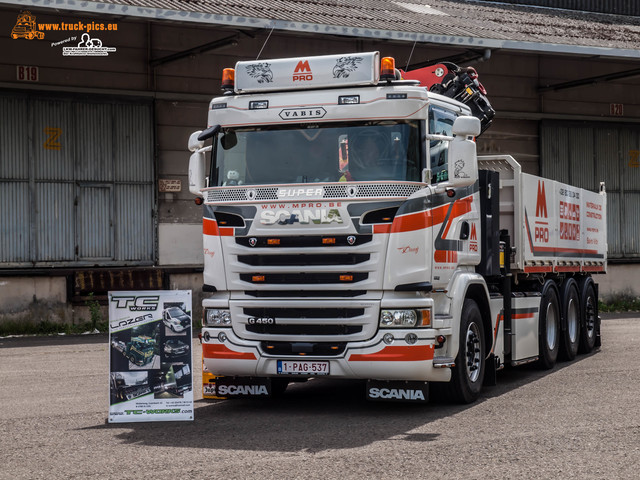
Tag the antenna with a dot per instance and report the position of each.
(265, 42)
(410, 55)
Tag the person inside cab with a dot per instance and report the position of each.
(367, 153)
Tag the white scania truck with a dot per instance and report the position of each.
(350, 231)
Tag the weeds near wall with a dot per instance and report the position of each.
(620, 302)
(95, 313)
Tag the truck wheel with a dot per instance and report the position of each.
(571, 319)
(588, 317)
(468, 374)
(549, 327)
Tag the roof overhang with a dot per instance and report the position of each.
(161, 14)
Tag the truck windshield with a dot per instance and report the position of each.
(370, 151)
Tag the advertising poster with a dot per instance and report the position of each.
(150, 356)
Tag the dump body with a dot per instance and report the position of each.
(555, 227)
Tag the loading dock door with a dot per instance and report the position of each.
(585, 154)
(76, 182)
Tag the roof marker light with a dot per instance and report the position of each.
(348, 99)
(258, 104)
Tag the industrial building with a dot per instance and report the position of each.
(97, 101)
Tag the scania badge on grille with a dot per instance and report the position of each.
(351, 239)
(253, 241)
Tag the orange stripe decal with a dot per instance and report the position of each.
(382, 228)
(210, 227)
(212, 350)
(429, 218)
(396, 354)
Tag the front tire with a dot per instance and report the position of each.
(549, 327)
(468, 374)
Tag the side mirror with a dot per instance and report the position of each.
(196, 173)
(195, 144)
(463, 162)
(209, 132)
(466, 126)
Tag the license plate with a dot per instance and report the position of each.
(302, 367)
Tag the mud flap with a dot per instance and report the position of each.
(490, 368)
(397, 391)
(598, 342)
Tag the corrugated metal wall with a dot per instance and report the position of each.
(15, 209)
(76, 182)
(584, 154)
(619, 7)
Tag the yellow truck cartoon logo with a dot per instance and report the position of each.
(25, 27)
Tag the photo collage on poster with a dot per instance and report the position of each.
(150, 352)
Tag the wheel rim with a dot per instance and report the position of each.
(590, 320)
(551, 326)
(572, 320)
(473, 352)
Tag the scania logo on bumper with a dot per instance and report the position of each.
(397, 391)
(299, 113)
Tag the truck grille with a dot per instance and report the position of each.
(305, 329)
(304, 260)
(303, 278)
(333, 191)
(304, 293)
(303, 242)
(314, 320)
(325, 349)
(304, 313)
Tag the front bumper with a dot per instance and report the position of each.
(371, 359)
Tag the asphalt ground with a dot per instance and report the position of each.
(580, 420)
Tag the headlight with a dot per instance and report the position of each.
(217, 318)
(405, 318)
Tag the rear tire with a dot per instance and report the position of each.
(549, 327)
(588, 317)
(468, 374)
(571, 320)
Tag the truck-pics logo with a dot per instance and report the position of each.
(25, 27)
(143, 303)
(302, 71)
(89, 47)
(320, 216)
